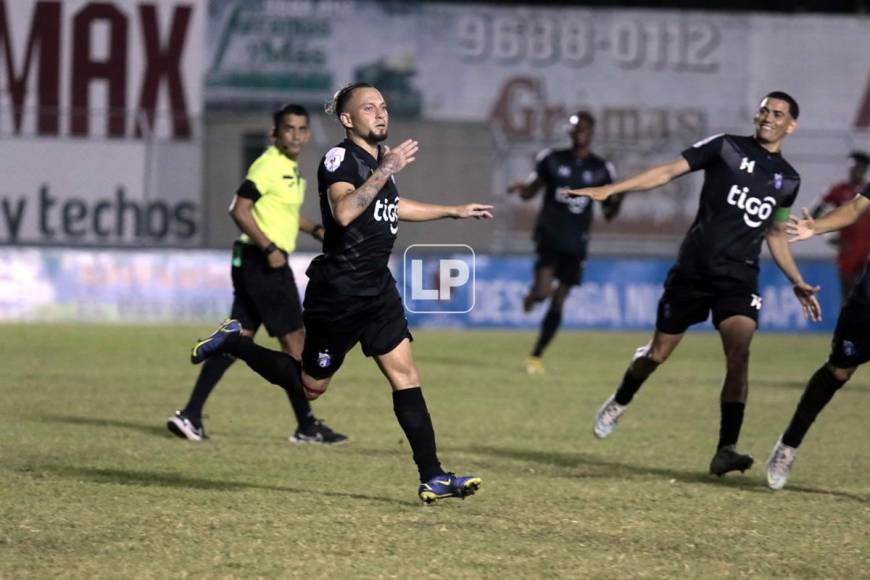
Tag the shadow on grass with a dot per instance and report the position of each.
(181, 481)
(604, 467)
(147, 428)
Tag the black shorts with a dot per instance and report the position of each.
(689, 297)
(334, 323)
(567, 267)
(850, 346)
(263, 295)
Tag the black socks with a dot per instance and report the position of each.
(549, 326)
(279, 368)
(820, 390)
(212, 370)
(410, 408)
(731, 422)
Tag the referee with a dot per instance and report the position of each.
(745, 200)
(562, 232)
(266, 210)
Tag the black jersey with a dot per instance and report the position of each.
(861, 292)
(354, 260)
(744, 185)
(563, 224)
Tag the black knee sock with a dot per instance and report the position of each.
(820, 390)
(549, 326)
(638, 372)
(731, 422)
(279, 368)
(301, 407)
(410, 408)
(212, 371)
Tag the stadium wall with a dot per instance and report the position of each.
(159, 286)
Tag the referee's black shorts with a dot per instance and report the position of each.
(334, 323)
(850, 346)
(264, 295)
(567, 267)
(689, 297)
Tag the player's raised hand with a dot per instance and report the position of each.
(806, 295)
(399, 157)
(473, 210)
(800, 229)
(597, 193)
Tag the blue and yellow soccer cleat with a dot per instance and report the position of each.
(448, 485)
(206, 347)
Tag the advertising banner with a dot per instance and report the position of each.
(100, 105)
(453, 290)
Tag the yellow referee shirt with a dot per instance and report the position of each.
(281, 188)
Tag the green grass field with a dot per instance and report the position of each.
(92, 484)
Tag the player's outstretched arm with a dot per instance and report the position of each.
(651, 178)
(415, 211)
(844, 216)
(527, 189)
(781, 254)
(348, 202)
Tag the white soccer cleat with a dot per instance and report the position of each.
(779, 464)
(607, 417)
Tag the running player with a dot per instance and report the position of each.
(351, 296)
(562, 231)
(850, 347)
(266, 210)
(748, 188)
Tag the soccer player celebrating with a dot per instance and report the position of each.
(562, 231)
(351, 296)
(850, 347)
(748, 188)
(266, 210)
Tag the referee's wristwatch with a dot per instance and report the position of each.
(270, 248)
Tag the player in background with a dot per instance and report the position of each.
(850, 346)
(562, 230)
(351, 296)
(266, 211)
(748, 188)
(853, 243)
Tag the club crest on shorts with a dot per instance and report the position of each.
(848, 348)
(777, 181)
(324, 359)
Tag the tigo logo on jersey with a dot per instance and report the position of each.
(388, 212)
(438, 278)
(752, 206)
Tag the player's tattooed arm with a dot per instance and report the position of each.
(847, 214)
(651, 178)
(348, 202)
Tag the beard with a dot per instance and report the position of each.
(375, 137)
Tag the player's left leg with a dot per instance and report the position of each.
(411, 411)
(309, 428)
(850, 348)
(736, 333)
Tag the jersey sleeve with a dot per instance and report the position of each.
(703, 153)
(248, 190)
(542, 166)
(261, 178)
(338, 167)
(831, 196)
(789, 201)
